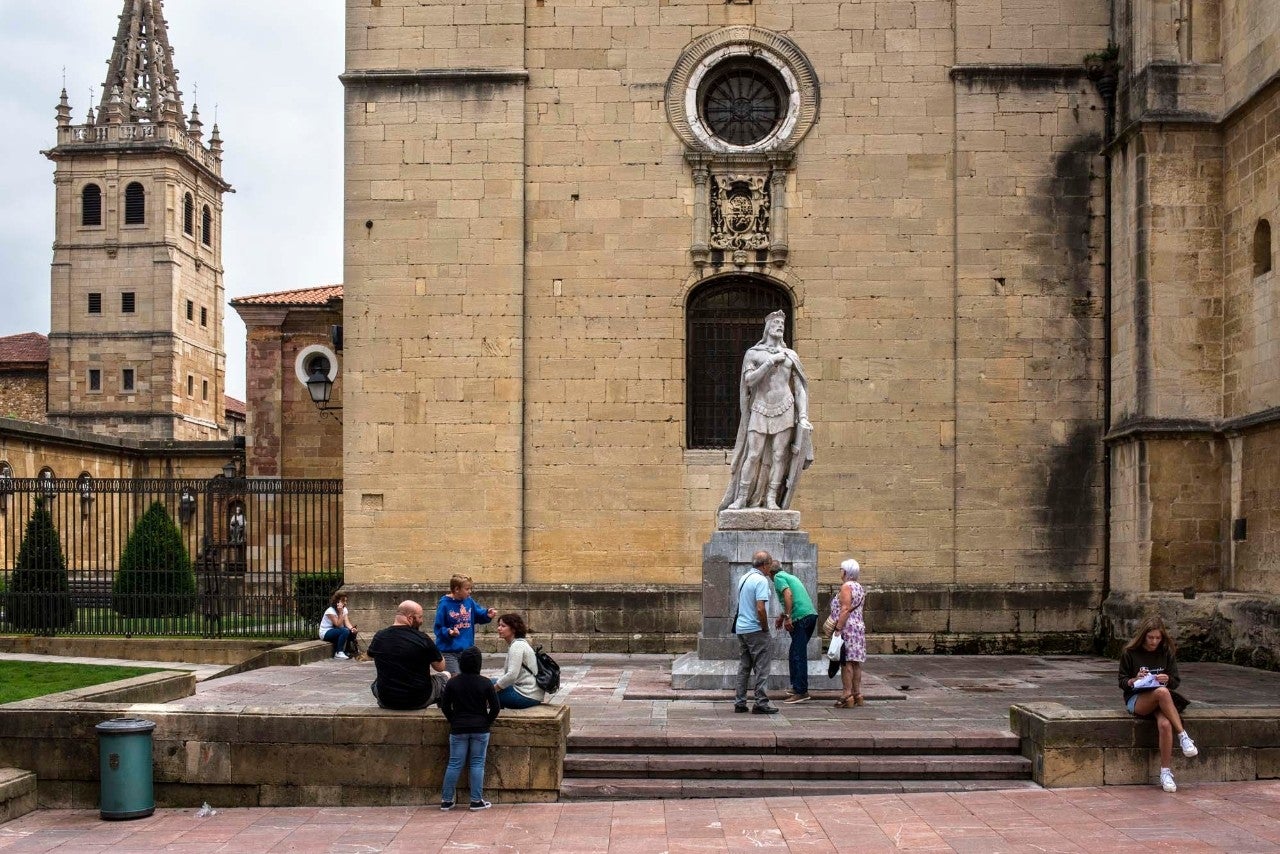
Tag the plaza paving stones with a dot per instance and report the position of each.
(1214, 817)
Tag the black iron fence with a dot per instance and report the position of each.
(217, 557)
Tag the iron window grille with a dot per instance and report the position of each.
(128, 302)
(743, 101)
(95, 303)
(723, 320)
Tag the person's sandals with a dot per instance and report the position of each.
(859, 700)
(845, 702)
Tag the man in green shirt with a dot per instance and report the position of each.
(799, 618)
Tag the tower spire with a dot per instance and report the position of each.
(140, 72)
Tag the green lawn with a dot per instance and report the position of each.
(20, 680)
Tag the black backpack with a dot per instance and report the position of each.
(548, 675)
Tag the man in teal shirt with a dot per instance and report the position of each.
(799, 618)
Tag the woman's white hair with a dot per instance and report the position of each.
(850, 569)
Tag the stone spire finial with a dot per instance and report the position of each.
(195, 127)
(215, 142)
(64, 110)
(141, 70)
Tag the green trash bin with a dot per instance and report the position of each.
(124, 767)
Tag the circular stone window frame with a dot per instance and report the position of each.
(729, 44)
(300, 363)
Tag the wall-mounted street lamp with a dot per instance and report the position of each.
(186, 505)
(319, 385)
(316, 367)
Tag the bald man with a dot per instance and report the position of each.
(411, 670)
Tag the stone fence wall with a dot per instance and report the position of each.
(621, 618)
(1070, 748)
(266, 756)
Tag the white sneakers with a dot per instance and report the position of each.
(343, 656)
(1188, 749)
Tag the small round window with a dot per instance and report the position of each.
(742, 102)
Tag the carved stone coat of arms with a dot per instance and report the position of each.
(740, 212)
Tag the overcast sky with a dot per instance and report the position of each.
(270, 66)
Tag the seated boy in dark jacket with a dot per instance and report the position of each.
(470, 702)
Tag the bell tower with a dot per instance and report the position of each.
(136, 343)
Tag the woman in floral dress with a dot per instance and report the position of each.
(846, 611)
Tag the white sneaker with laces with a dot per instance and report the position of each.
(341, 655)
(1188, 746)
(1166, 780)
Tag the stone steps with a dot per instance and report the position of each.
(609, 764)
(746, 766)
(17, 793)
(619, 789)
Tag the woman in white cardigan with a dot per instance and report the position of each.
(517, 688)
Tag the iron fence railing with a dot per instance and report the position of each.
(217, 557)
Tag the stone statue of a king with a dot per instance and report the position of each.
(775, 438)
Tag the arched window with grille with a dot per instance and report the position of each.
(135, 204)
(91, 205)
(1262, 248)
(206, 226)
(723, 319)
(188, 214)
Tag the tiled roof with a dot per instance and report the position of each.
(233, 406)
(322, 295)
(27, 347)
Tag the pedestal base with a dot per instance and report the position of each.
(690, 671)
(725, 559)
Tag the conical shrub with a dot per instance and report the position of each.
(154, 578)
(38, 597)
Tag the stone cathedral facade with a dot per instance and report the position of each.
(1020, 266)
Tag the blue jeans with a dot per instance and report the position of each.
(798, 655)
(510, 698)
(338, 637)
(462, 744)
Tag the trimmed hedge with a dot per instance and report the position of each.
(312, 591)
(155, 578)
(39, 593)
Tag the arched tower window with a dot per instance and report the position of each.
(206, 226)
(135, 204)
(1262, 248)
(188, 214)
(91, 205)
(723, 319)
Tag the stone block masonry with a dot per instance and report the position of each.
(518, 266)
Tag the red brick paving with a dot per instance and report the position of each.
(1223, 817)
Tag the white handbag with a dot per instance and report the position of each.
(834, 649)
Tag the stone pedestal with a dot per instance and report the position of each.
(725, 559)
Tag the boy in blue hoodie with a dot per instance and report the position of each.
(456, 619)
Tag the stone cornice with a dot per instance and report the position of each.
(30, 431)
(428, 76)
(1133, 428)
(1013, 72)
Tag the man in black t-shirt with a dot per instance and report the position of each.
(411, 670)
